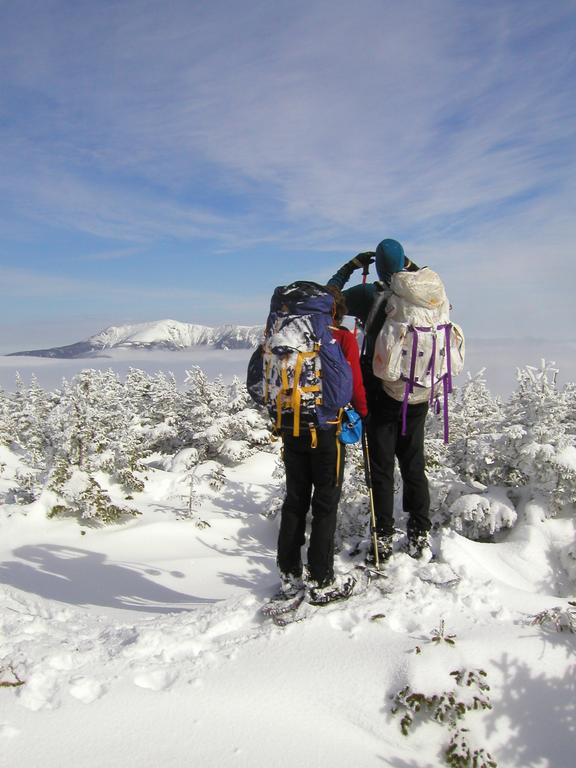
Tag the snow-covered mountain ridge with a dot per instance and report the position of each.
(160, 334)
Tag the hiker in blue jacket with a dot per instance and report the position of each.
(367, 302)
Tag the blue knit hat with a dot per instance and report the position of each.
(390, 258)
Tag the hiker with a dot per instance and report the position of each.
(312, 452)
(368, 303)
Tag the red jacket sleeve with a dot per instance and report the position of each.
(350, 349)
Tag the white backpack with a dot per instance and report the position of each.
(418, 344)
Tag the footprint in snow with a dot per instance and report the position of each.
(156, 680)
(8, 731)
(40, 691)
(86, 689)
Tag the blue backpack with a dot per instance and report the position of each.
(299, 372)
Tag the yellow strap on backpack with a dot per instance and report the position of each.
(313, 437)
(296, 394)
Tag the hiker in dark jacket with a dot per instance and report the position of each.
(367, 302)
(314, 478)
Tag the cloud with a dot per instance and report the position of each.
(25, 283)
(302, 128)
(130, 301)
(351, 122)
(58, 197)
(347, 115)
(116, 254)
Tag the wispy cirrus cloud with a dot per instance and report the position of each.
(297, 127)
(93, 304)
(344, 113)
(115, 254)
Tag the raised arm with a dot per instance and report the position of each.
(361, 261)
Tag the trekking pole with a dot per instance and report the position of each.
(368, 476)
(364, 278)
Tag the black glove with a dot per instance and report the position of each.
(409, 265)
(363, 259)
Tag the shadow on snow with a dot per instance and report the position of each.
(540, 709)
(80, 577)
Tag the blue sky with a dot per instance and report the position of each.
(180, 158)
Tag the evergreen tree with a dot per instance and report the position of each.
(535, 433)
(94, 427)
(6, 434)
(162, 415)
(517, 444)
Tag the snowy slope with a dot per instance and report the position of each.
(142, 645)
(162, 334)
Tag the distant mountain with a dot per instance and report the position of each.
(163, 334)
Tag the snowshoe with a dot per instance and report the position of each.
(282, 602)
(340, 588)
(291, 593)
(298, 613)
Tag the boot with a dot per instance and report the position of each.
(339, 588)
(385, 550)
(290, 585)
(418, 545)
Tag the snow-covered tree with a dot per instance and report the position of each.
(535, 434)
(89, 442)
(474, 415)
(95, 439)
(24, 420)
(517, 445)
(218, 419)
(164, 410)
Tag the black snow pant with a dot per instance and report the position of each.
(311, 478)
(385, 442)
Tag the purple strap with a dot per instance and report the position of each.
(409, 386)
(445, 387)
(413, 360)
(432, 368)
(446, 379)
(447, 329)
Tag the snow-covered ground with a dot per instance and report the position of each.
(142, 644)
